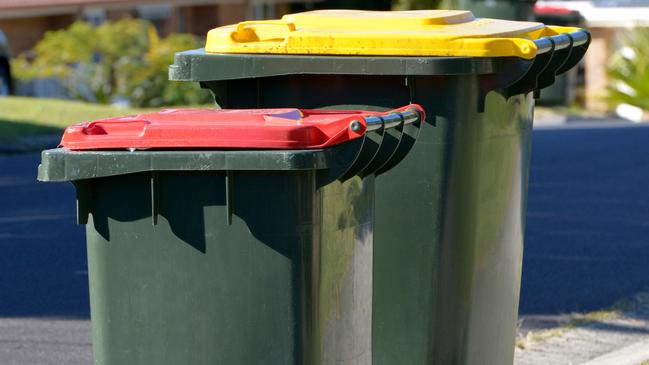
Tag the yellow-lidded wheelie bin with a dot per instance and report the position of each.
(447, 274)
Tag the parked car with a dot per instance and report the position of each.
(5, 70)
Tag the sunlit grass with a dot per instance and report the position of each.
(20, 116)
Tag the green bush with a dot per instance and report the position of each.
(124, 59)
(629, 71)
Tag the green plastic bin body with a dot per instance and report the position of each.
(447, 274)
(449, 219)
(224, 257)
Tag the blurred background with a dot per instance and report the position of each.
(585, 264)
(116, 52)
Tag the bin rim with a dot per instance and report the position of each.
(197, 65)
(61, 164)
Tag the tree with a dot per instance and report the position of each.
(121, 60)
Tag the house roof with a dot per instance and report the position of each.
(28, 8)
(31, 4)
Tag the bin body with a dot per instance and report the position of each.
(289, 281)
(446, 275)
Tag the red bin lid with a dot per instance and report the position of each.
(213, 128)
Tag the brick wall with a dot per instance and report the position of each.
(596, 59)
(200, 19)
(24, 33)
(232, 13)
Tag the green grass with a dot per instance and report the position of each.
(20, 117)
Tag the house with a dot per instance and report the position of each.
(25, 21)
(608, 21)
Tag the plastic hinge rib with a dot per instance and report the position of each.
(556, 55)
(387, 140)
(529, 81)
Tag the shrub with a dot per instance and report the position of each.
(629, 71)
(124, 59)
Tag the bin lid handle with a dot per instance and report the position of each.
(270, 30)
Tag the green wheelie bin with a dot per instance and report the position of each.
(229, 236)
(446, 274)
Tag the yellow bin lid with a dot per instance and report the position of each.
(383, 33)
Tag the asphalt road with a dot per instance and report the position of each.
(44, 308)
(587, 242)
(587, 233)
